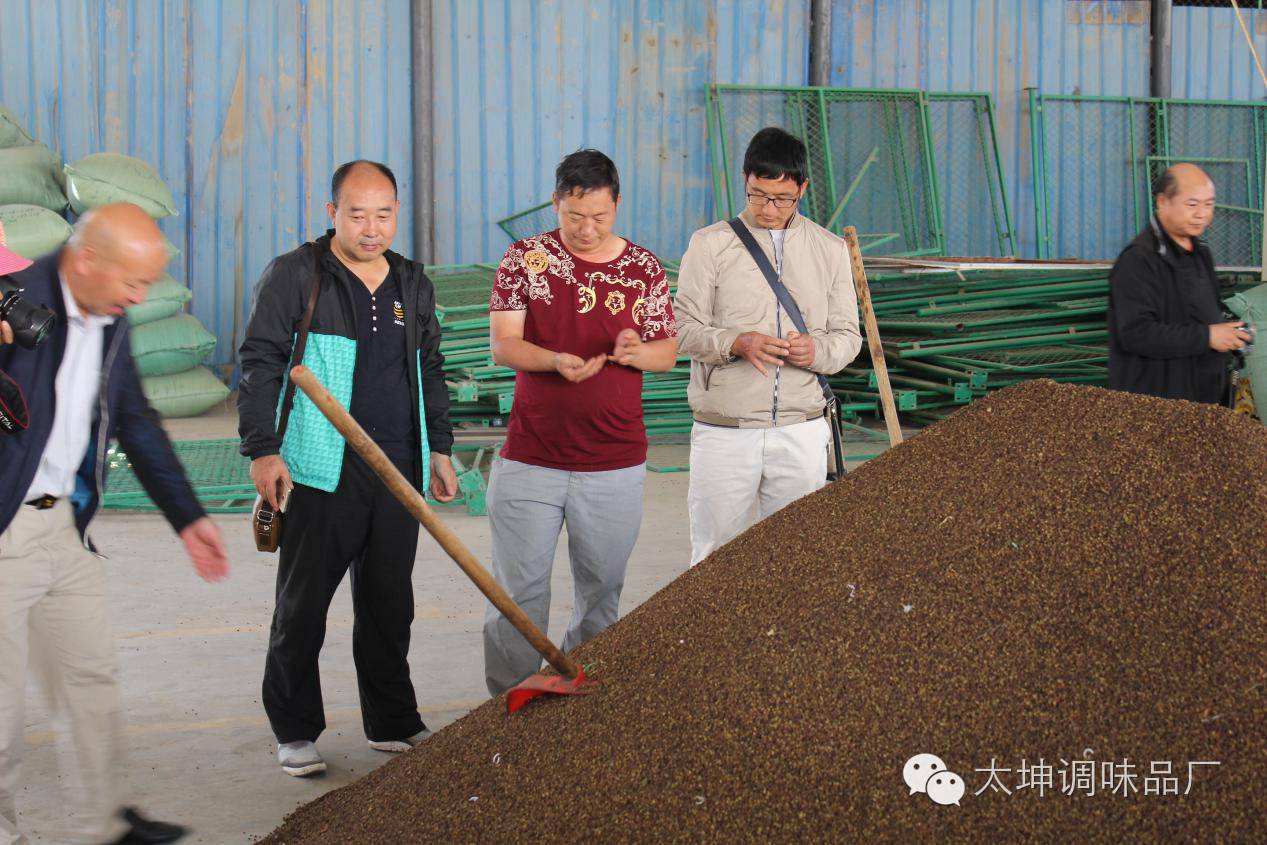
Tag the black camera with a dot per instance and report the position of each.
(1249, 329)
(30, 323)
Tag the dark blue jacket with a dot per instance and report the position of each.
(122, 412)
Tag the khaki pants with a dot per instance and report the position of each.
(53, 616)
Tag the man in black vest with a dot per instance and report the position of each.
(1167, 332)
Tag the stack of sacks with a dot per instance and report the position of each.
(168, 348)
(31, 192)
(167, 345)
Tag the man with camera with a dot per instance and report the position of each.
(72, 364)
(365, 317)
(1168, 335)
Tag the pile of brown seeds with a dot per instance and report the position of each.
(1067, 585)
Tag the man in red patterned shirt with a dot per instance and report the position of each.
(580, 313)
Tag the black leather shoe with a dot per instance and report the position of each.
(143, 831)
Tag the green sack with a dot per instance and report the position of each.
(165, 298)
(186, 394)
(29, 175)
(31, 231)
(110, 177)
(11, 132)
(172, 249)
(170, 345)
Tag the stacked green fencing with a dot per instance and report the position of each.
(953, 336)
(950, 336)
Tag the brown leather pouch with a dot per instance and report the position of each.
(266, 524)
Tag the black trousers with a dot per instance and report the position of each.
(359, 526)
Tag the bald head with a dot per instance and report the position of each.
(1180, 178)
(1184, 198)
(115, 253)
(119, 228)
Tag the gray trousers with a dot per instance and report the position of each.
(527, 507)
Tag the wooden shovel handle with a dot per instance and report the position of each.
(414, 502)
(873, 337)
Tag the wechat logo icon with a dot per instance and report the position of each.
(927, 773)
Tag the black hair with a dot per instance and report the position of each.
(1166, 184)
(586, 170)
(336, 181)
(775, 154)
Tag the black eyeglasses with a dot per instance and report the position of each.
(761, 201)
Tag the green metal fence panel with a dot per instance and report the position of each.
(971, 195)
(219, 475)
(1095, 159)
(916, 172)
(531, 221)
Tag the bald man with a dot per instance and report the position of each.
(1168, 335)
(81, 390)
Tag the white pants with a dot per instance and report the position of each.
(735, 469)
(53, 589)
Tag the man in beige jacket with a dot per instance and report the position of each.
(760, 438)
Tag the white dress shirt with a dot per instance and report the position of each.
(75, 399)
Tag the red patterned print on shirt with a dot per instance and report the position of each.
(579, 307)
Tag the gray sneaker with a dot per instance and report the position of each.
(396, 746)
(300, 759)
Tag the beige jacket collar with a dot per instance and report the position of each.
(792, 225)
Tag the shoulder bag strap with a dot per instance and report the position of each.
(789, 305)
(780, 290)
(301, 342)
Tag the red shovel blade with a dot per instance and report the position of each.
(537, 685)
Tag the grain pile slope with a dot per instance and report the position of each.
(1055, 572)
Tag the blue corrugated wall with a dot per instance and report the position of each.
(246, 107)
(520, 85)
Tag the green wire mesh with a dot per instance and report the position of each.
(529, 222)
(1096, 159)
(917, 173)
(462, 286)
(1037, 357)
(220, 477)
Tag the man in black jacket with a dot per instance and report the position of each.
(81, 389)
(1167, 333)
(374, 342)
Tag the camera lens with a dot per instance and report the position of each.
(30, 323)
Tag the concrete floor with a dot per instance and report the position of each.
(199, 749)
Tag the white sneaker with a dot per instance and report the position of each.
(396, 746)
(300, 759)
